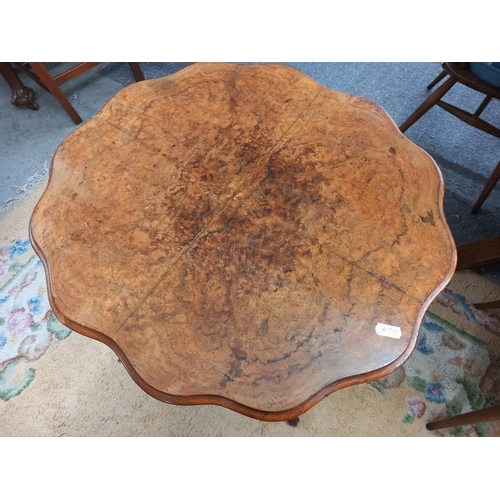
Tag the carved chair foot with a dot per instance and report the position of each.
(21, 95)
(24, 97)
(294, 422)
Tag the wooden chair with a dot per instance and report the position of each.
(39, 73)
(476, 254)
(21, 94)
(469, 255)
(473, 417)
(460, 73)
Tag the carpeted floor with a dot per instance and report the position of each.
(54, 382)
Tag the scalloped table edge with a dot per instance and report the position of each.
(208, 399)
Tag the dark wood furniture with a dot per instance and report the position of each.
(479, 253)
(460, 73)
(21, 94)
(490, 184)
(473, 417)
(242, 236)
(39, 73)
(470, 255)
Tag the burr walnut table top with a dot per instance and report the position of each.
(239, 235)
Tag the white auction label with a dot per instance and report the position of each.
(394, 332)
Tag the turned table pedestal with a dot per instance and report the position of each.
(242, 236)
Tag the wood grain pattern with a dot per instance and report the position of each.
(235, 233)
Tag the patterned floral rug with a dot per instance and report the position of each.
(27, 325)
(451, 371)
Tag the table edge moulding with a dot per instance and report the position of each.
(113, 308)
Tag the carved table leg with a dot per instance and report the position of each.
(294, 422)
(21, 95)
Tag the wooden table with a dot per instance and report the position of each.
(240, 235)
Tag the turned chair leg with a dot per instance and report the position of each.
(136, 69)
(492, 182)
(473, 417)
(437, 79)
(54, 89)
(428, 103)
(483, 105)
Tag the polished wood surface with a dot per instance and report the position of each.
(236, 233)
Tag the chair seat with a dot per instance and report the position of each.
(466, 77)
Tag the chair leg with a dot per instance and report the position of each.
(478, 253)
(483, 105)
(494, 304)
(136, 69)
(437, 80)
(492, 181)
(473, 417)
(54, 89)
(21, 95)
(428, 103)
